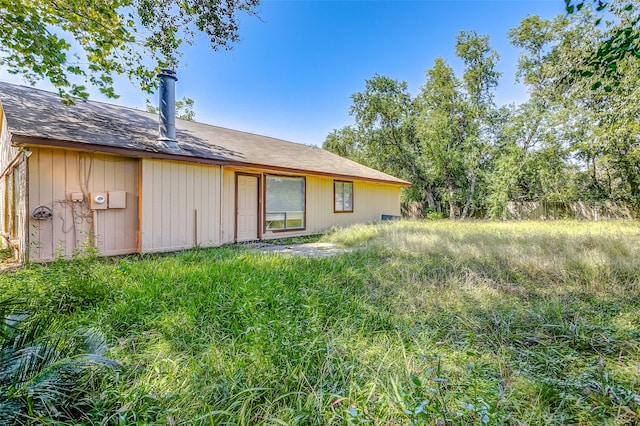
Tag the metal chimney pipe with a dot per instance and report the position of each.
(167, 94)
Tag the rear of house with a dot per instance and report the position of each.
(97, 174)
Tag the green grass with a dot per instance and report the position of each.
(5, 254)
(426, 323)
(295, 240)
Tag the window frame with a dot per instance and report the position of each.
(335, 187)
(304, 206)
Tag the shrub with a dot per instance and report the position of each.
(41, 373)
(434, 216)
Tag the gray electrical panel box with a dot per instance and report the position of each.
(117, 199)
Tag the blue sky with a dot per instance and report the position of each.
(292, 74)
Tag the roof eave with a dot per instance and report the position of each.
(26, 141)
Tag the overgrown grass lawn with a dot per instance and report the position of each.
(439, 323)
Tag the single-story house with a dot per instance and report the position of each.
(101, 174)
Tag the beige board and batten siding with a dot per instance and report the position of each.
(180, 205)
(55, 174)
(371, 200)
(228, 209)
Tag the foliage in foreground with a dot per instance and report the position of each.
(426, 323)
(66, 41)
(42, 374)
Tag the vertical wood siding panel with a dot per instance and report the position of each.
(194, 204)
(166, 207)
(111, 233)
(208, 211)
(215, 235)
(46, 184)
(171, 209)
(229, 206)
(98, 185)
(161, 226)
(132, 221)
(160, 230)
(213, 216)
(118, 227)
(155, 238)
(121, 218)
(153, 191)
(314, 199)
(45, 227)
(204, 205)
(144, 166)
(54, 175)
(176, 190)
(109, 222)
(34, 199)
(83, 175)
(178, 216)
(190, 204)
(184, 237)
(63, 206)
(197, 200)
(147, 217)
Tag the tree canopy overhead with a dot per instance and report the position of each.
(71, 43)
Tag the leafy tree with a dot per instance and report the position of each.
(64, 41)
(622, 40)
(573, 142)
(384, 135)
(480, 78)
(566, 143)
(442, 127)
(529, 139)
(437, 140)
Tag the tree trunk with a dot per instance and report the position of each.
(452, 191)
(467, 204)
(431, 202)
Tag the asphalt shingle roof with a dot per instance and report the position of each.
(34, 113)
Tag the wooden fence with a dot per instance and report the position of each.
(543, 210)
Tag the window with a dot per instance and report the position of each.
(285, 203)
(343, 197)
